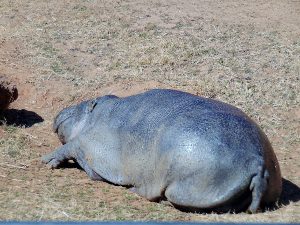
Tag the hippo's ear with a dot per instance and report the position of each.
(91, 105)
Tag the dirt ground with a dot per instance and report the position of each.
(246, 53)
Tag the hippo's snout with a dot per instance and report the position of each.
(70, 121)
(62, 117)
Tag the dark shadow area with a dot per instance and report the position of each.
(290, 192)
(69, 164)
(18, 117)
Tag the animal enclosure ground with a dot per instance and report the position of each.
(62, 52)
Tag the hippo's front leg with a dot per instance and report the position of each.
(70, 151)
(60, 155)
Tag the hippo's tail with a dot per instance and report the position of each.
(258, 187)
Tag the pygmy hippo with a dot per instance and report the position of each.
(196, 153)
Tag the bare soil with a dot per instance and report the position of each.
(59, 53)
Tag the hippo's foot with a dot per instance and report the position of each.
(133, 190)
(62, 154)
(51, 161)
(153, 194)
(166, 203)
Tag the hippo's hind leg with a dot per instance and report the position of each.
(81, 160)
(60, 155)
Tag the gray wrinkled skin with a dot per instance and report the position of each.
(197, 153)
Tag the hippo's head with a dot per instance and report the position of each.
(70, 121)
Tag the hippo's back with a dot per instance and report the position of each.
(161, 107)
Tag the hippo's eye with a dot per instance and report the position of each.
(91, 105)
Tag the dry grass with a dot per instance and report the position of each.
(62, 52)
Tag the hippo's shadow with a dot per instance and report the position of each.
(18, 117)
(290, 193)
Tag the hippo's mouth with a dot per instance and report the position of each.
(62, 117)
(57, 124)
